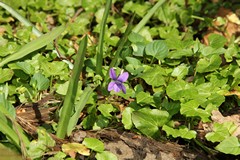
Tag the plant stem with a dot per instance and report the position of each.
(68, 105)
(146, 18)
(101, 38)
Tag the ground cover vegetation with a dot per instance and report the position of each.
(164, 69)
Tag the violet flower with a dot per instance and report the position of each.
(117, 82)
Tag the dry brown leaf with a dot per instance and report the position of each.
(2, 30)
(230, 28)
(230, 93)
(233, 18)
(72, 148)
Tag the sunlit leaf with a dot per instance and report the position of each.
(221, 131)
(155, 76)
(75, 147)
(94, 144)
(148, 121)
(106, 155)
(5, 75)
(191, 109)
(209, 64)
(39, 81)
(229, 145)
(106, 109)
(216, 40)
(182, 132)
(157, 49)
(181, 89)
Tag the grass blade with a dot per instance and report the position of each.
(21, 18)
(146, 18)
(68, 105)
(78, 109)
(28, 23)
(122, 42)
(101, 38)
(34, 45)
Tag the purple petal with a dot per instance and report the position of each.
(123, 77)
(117, 87)
(112, 74)
(123, 88)
(111, 86)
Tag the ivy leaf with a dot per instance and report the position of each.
(180, 71)
(144, 98)
(190, 109)
(180, 89)
(157, 49)
(134, 67)
(106, 155)
(138, 49)
(24, 66)
(106, 109)
(229, 145)
(182, 132)
(93, 144)
(39, 81)
(53, 68)
(5, 75)
(154, 76)
(208, 65)
(216, 40)
(221, 131)
(127, 117)
(148, 121)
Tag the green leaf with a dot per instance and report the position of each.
(135, 37)
(6, 107)
(171, 106)
(5, 75)
(229, 145)
(106, 109)
(177, 54)
(78, 109)
(148, 121)
(138, 49)
(180, 89)
(216, 40)
(181, 71)
(144, 98)
(191, 109)
(39, 82)
(157, 49)
(101, 122)
(94, 144)
(134, 67)
(53, 68)
(62, 88)
(34, 45)
(106, 155)
(155, 76)
(68, 105)
(42, 145)
(221, 131)
(127, 117)
(24, 66)
(208, 65)
(182, 132)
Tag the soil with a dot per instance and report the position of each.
(131, 146)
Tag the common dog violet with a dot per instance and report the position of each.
(117, 82)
